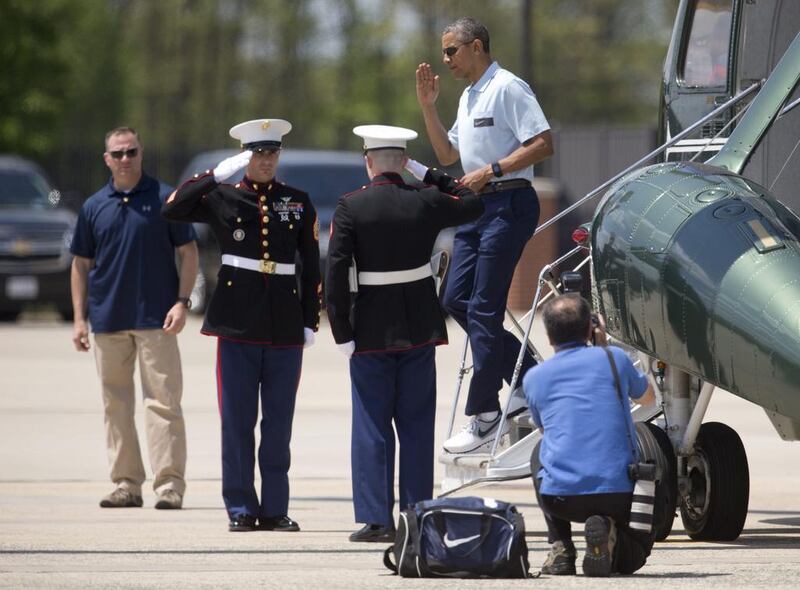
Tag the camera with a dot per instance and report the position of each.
(645, 478)
(571, 282)
(644, 472)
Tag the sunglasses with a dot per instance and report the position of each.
(453, 49)
(118, 154)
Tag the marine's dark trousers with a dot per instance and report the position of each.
(485, 254)
(246, 372)
(386, 387)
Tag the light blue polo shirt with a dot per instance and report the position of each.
(585, 448)
(495, 116)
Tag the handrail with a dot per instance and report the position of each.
(649, 156)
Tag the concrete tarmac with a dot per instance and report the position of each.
(53, 472)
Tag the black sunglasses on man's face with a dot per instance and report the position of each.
(118, 154)
(453, 49)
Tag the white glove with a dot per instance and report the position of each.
(347, 349)
(308, 337)
(230, 166)
(416, 169)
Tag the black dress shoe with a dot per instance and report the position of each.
(242, 523)
(374, 533)
(282, 524)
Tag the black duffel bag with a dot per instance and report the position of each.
(459, 538)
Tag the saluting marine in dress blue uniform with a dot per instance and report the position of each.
(261, 320)
(388, 229)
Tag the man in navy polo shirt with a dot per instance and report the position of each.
(499, 134)
(124, 268)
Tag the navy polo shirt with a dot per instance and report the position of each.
(134, 280)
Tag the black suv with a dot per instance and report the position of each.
(35, 234)
(324, 174)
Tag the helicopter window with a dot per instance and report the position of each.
(705, 60)
(762, 234)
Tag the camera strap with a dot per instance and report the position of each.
(625, 409)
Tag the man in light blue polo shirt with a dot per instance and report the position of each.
(499, 134)
(123, 272)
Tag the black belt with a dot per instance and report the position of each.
(505, 185)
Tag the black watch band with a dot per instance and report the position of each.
(496, 170)
(187, 302)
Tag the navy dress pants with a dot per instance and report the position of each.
(245, 373)
(387, 387)
(485, 254)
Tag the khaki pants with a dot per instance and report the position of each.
(162, 387)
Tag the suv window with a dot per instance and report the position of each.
(23, 188)
(705, 61)
(324, 183)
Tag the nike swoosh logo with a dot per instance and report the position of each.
(456, 542)
(482, 433)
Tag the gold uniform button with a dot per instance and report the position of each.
(238, 220)
(230, 283)
(255, 186)
(265, 231)
(294, 291)
(265, 243)
(266, 255)
(264, 207)
(125, 199)
(265, 219)
(263, 198)
(291, 226)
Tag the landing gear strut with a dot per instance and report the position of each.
(711, 481)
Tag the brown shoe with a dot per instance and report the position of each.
(560, 561)
(121, 498)
(169, 500)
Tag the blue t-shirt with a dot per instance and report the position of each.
(134, 281)
(585, 448)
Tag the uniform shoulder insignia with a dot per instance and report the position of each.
(358, 190)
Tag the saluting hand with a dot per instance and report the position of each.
(416, 169)
(427, 85)
(230, 166)
(176, 319)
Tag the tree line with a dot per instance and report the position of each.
(183, 71)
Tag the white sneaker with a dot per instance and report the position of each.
(475, 434)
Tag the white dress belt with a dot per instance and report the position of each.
(269, 267)
(395, 277)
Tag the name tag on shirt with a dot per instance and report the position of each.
(486, 122)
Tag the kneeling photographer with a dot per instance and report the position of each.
(581, 473)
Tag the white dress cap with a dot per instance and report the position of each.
(261, 132)
(378, 137)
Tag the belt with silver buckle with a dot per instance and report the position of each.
(505, 185)
(269, 267)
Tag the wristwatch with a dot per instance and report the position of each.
(496, 170)
(187, 302)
